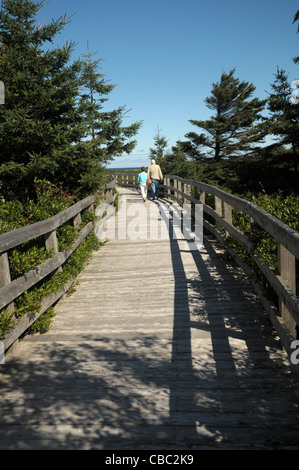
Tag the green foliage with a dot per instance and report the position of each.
(49, 201)
(53, 125)
(12, 215)
(6, 322)
(43, 323)
(284, 115)
(26, 258)
(284, 208)
(157, 153)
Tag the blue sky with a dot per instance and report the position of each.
(165, 55)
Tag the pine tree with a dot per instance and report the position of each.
(39, 119)
(233, 129)
(53, 125)
(157, 153)
(94, 90)
(176, 162)
(284, 115)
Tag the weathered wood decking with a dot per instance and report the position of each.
(160, 347)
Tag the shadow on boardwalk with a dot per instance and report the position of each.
(222, 381)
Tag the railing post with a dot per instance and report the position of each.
(168, 191)
(175, 185)
(287, 270)
(52, 244)
(5, 276)
(77, 221)
(202, 197)
(51, 241)
(218, 206)
(227, 209)
(179, 188)
(187, 190)
(91, 208)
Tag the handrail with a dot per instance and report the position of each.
(124, 179)
(21, 235)
(284, 315)
(10, 290)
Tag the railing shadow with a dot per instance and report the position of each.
(224, 395)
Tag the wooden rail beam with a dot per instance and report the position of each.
(12, 289)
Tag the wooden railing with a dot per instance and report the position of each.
(125, 179)
(10, 290)
(218, 207)
(218, 212)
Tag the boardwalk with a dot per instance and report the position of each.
(159, 347)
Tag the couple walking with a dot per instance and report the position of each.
(155, 174)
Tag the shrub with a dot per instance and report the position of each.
(49, 201)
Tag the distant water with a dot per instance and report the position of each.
(123, 169)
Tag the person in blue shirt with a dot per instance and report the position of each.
(142, 181)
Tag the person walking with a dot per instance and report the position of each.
(155, 174)
(142, 181)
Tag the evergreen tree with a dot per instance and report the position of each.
(39, 118)
(284, 115)
(176, 162)
(157, 153)
(47, 121)
(233, 129)
(94, 90)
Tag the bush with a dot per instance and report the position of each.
(49, 201)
